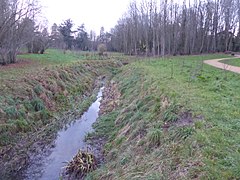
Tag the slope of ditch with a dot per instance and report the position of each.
(33, 107)
(173, 118)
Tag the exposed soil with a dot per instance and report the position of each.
(187, 119)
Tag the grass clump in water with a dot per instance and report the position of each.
(83, 163)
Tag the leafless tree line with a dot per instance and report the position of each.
(163, 27)
(17, 28)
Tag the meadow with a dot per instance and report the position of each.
(38, 96)
(178, 119)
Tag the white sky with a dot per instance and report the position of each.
(93, 13)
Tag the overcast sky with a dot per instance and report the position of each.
(93, 13)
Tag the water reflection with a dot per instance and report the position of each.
(67, 144)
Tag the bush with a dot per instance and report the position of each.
(102, 48)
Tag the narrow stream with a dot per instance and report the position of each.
(67, 144)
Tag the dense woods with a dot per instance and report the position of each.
(164, 27)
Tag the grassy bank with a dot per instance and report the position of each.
(177, 119)
(35, 93)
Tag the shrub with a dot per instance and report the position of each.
(102, 48)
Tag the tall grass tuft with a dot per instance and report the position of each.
(154, 136)
(37, 104)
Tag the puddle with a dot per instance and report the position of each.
(67, 144)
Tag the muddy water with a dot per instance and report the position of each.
(67, 144)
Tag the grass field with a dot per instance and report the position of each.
(36, 93)
(233, 62)
(33, 63)
(178, 119)
(41, 83)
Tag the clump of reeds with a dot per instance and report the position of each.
(83, 163)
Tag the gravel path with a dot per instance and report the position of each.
(217, 64)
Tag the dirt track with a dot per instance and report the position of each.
(217, 64)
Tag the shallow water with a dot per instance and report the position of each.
(67, 144)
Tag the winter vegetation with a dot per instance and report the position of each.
(147, 28)
(180, 127)
(15, 26)
(164, 27)
(165, 114)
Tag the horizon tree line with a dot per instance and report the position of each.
(63, 36)
(155, 27)
(20, 29)
(149, 27)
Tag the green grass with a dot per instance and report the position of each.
(145, 137)
(53, 56)
(34, 63)
(57, 89)
(38, 90)
(233, 62)
(156, 92)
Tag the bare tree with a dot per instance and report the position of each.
(161, 27)
(13, 27)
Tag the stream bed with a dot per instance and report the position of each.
(68, 142)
